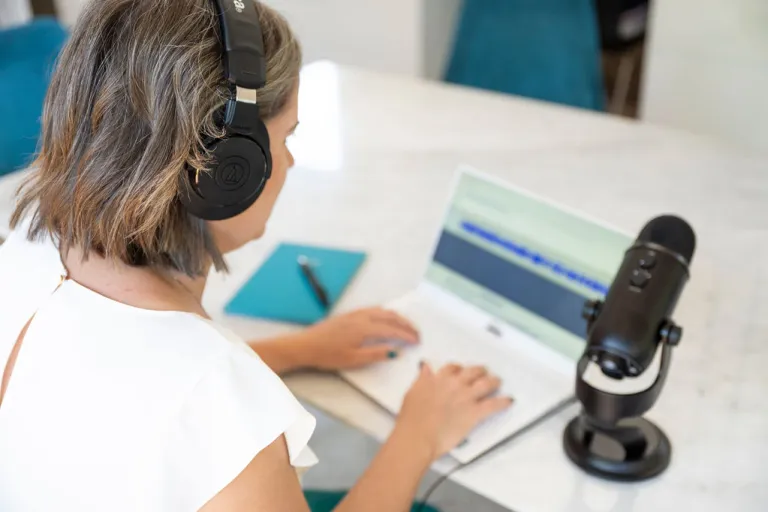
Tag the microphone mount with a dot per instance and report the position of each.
(609, 438)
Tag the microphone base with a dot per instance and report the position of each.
(632, 450)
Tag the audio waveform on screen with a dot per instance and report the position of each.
(534, 257)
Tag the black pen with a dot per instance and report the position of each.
(314, 282)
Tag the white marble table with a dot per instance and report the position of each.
(375, 155)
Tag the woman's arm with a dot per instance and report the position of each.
(284, 354)
(340, 342)
(438, 412)
(268, 484)
(391, 481)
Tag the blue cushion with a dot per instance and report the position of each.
(543, 49)
(27, 57)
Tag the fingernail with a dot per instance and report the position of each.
(392, 354)
(421, 364)
(511, 399)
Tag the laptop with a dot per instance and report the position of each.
(504, 288)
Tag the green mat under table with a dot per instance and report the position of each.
(325, 501)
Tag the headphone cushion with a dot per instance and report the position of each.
(237, 177)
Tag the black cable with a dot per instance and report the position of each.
(437, 483)
(541, 419)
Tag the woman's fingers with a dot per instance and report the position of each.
(490, 406)
(472, 373)
(383, 331)
(373, 354)
(475, 382)
(407, 330)
(450, 369)
(484, 387)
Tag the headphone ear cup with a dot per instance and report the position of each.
(237, 177)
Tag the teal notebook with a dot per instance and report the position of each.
(279, 290)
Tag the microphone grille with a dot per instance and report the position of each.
(671, 232)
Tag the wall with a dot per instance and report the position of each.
(411, 37)
(374, 34)
(707, 68)
(68, 10)
(440, 21)
(14, 12)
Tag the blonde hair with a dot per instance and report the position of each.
(136, 93)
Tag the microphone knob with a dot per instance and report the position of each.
(613, 366)
(647, 260)
(671, 333)
(591, 310)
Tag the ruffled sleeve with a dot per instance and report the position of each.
(236, 410)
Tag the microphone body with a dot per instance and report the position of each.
(626, 328)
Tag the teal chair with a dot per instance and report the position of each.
(326, 501)
(543, 49)
(27, 57)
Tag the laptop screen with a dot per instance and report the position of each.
(525, 260)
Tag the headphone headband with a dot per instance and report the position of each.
(242, 44)
(241, 160)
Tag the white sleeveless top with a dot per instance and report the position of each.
(115, 408)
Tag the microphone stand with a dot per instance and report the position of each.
(609, 438)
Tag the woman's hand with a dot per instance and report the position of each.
(443, 407)
(356, 339)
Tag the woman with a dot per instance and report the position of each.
(118, 392)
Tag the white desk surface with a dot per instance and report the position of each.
(375, 156)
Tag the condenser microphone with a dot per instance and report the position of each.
(610, 438)
(627, 326)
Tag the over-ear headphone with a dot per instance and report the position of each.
(241, 160)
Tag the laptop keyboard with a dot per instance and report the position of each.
(449, 342)
(527, 383)
(535, 389)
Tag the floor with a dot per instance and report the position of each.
(345, 452)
